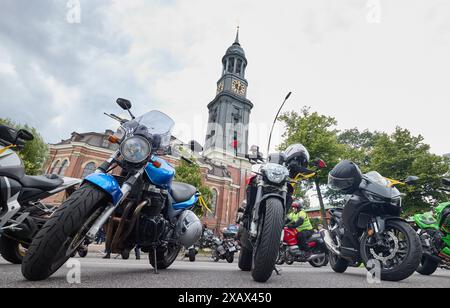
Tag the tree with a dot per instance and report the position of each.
(401, 154)
(317, 133)
(35, 152)
(359, 146)
(191, 174)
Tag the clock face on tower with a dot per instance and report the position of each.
(220, 87)
(238, 87)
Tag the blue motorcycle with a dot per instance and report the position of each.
(155, 212)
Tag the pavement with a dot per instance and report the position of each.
(116, 273)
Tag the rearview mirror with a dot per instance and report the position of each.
(124, 103)
(24, 135)
(412, 180)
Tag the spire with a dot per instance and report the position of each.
(236, 42)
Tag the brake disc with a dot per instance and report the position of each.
(393, 251)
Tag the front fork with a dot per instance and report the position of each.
(126, 189)
(254, 226)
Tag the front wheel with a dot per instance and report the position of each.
(11, 250)
(165, 257)
(399, 252)
(268, 243)
(63, 233)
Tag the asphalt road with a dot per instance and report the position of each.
(116, 273)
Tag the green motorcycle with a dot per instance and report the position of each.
(434, 232)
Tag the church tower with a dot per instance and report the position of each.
(229, 112)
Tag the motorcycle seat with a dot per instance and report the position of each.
(42, 182)
(182, 192)
(446, 182)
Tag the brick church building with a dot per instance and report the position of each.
(222, 162)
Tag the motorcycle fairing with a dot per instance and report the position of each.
(426, 221)
(107, 183)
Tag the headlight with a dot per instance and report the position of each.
(135, 149)
(276, 173)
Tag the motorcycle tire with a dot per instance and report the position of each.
(10, 250)
(338, 264)
(49, 249)
(413, 257)
(192, 253)
(268, 245)
(83, 253)
(245, 260)
(164, 257)
(320, 262)
(230, 259)
(427, 266)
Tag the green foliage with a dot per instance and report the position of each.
(191, 174)
(317, 133)
(395, 156)
(400, 155)
(35, 152)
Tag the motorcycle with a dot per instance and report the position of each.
(434, 232)
(289, 250)
(268, 191)
(377, 236)
(225, 249)
(206, 241)
(156, 215)
(22, 211)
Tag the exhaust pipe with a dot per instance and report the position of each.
(329, 242)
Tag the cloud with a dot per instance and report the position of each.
(166, 55)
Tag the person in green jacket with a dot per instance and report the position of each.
(298, 219)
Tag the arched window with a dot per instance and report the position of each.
(54, 167)
(88, 170)
(64, 166)
(213, 205)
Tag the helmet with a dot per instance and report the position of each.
(297, 156)
(297, 205)
(189, 229)
(345, 177)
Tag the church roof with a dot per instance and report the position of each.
(236, 48)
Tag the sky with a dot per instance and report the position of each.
(371, 64)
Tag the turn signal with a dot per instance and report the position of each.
(370, 232)
(156, 164)
(113, 139)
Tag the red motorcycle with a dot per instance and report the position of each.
(290, 252)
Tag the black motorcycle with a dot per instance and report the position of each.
(269, 194)
(224, 249)
(369, 229)
(22, 211)
(205, 242)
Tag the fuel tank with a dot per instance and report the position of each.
(162, 176)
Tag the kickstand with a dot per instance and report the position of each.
(277, 271)
(155, 260)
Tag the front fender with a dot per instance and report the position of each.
(383, 220)
(107, 183)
